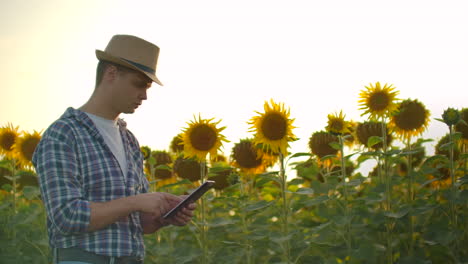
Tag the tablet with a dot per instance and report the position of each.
(195, 195)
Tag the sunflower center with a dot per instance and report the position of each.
(203, 137)
(28, 147)
(274, 126)
(246, 155)
(411, 116)
(7, 141)
(379, 101)
(336, 125)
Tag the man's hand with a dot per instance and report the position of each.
(183, 217)
(157, 203)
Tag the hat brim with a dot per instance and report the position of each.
(101, 55)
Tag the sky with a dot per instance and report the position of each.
(224, 59)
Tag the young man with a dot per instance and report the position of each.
(90, 166)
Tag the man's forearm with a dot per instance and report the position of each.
(106, 213)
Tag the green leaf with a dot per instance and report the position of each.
(399, 214)
(163, 167)
(441, 120)
(373, 141)
(262, 180)
(6, 164)
(353, 183)
(335, 145)
(300, 154)
(217, 170)
(317, 200)
(327, 157)
(363, 158)
(423, 209)
(258, 205)
(151, 160)
(446, 146)
(393, 152)
(304, 191)
(217, 222)
(31, 192)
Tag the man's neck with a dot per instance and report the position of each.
(93, 108)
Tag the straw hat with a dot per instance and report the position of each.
(132, 52)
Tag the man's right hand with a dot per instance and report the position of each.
(157, 203)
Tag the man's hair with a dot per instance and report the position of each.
(103, 65)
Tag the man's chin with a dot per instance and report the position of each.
(131, 111)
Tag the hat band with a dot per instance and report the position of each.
(141, 66)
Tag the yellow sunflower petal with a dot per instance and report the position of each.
(378, 101)
(24, 147)
(201, 137)
(410, 119)
(273, 128)
(8, 137)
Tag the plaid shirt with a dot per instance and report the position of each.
(76, 167)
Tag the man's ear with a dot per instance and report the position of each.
(110, 73)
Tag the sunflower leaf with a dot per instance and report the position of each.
(163, 167)
(335, 145)
(399, 214)
(304, 191)
(457, 136)
(152, 161)
(258, 205)
(439, 119)
(31, 192)
(373, 140)
(6, 164)
(327, 157)
(300, 154)
(317, 200)
(446, 146)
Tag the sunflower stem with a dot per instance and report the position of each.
(387, 191)
(346, 210)
(410, 194)
(453, 208)
(203, 227)
(245, 190)
(285, 209)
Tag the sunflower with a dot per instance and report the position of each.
(177, 144)
(161, 158)
(350, 138)
(411, 118)
(451, 116)
(8, 136)
(378, 101)
(247, 158)
(369, 129)
(273, 128)
(202, 137)
(319, 144)
(218, 158)
(337, 125)
(24, 147)
(221, 178)
(188, 168)
(462, 127)
(145, 151)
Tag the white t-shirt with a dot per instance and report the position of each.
(109, 130)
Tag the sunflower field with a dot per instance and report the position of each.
(411, 208)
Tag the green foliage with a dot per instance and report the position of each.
(374, 222)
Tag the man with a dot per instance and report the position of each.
(90, 166)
